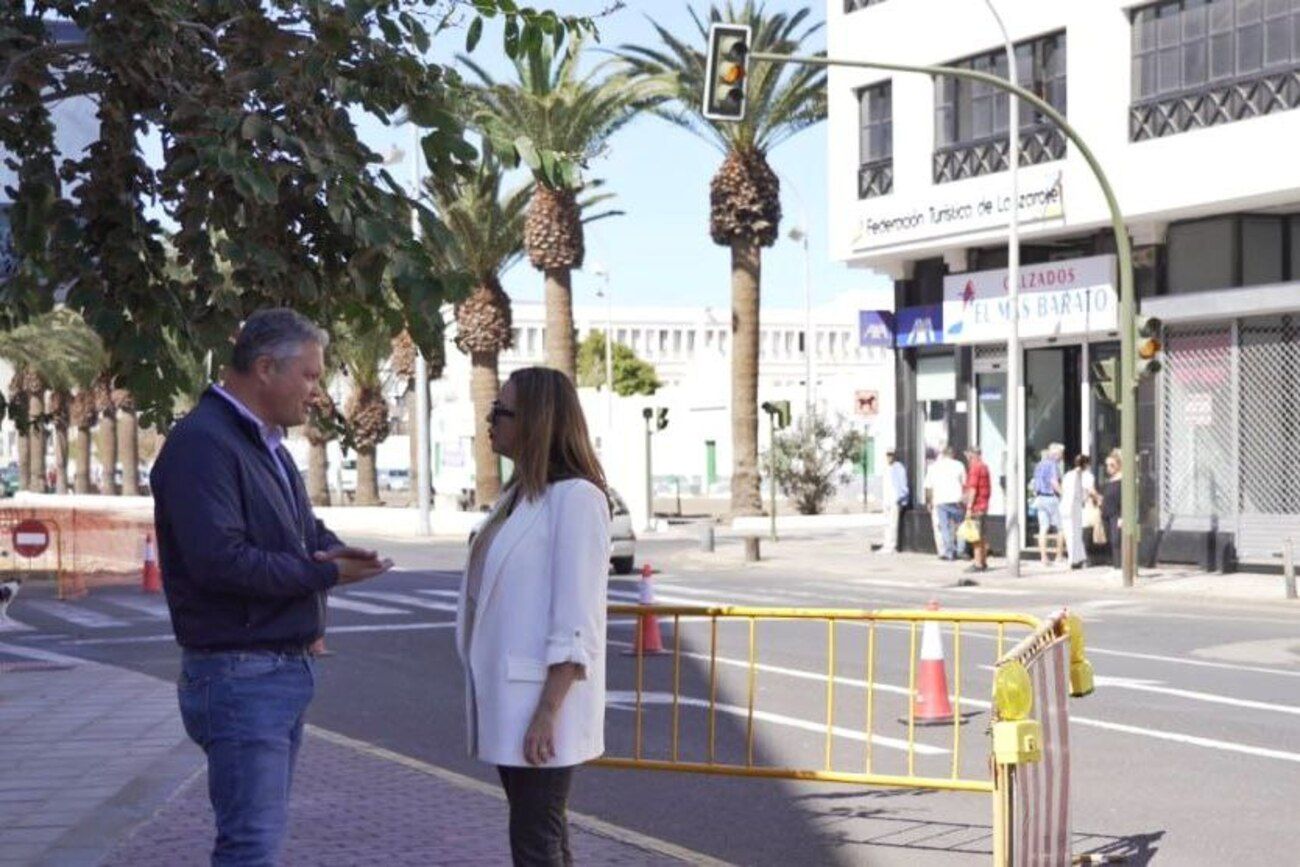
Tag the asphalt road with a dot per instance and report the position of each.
(1187, 754)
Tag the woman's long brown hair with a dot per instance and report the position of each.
(554, 444)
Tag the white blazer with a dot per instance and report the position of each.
(541, 602)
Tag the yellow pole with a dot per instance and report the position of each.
(830, 690)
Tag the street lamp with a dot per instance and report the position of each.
(599, 270)
(1015, 423)
(799, 234)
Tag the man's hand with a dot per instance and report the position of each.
(353, 569)
(539, 740)
(346, 552)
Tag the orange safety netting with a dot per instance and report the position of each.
(88, 547)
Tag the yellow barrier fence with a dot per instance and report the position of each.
(857, 649)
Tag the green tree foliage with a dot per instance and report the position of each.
(631, 374)
(811, 458)
(262, 168)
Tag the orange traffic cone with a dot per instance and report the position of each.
(150, 575)
(930, 705)
(648, 638)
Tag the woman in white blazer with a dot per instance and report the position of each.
(530, 626)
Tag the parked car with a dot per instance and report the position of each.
(397, 479)
(622, 538)
(9, 480)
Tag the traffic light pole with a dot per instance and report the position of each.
(771, 469)
(1127, 302)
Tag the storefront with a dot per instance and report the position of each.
(953, 371)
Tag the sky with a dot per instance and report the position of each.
(660, 253)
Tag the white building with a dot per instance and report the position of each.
(690, 349)
(1188, 105)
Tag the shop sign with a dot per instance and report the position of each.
(919, 326)
(1070, 297)
(949, 214)
(875, 328)
(866, 402)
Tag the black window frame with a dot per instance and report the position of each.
(875, 125)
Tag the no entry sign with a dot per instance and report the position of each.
(31, 538)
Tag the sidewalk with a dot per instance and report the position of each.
(849, 555)
(97, 770)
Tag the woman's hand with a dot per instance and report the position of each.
(539, 740)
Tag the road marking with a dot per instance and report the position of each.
(404, 599)
(154, 607)
(626, 701)
(344, 604)
(78, 616)
(1100, 651)
(333, 630)
(1271, 651)
(450, 594)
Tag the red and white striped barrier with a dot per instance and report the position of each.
(1041, 792)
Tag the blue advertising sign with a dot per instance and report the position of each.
(875, 328)
(920, 326)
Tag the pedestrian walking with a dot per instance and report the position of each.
(978, 491)
(1078, 490)
(530, 626)
(945, 482)
(1047, 502)
(1110, 505)
(895, 495)
(245, 567)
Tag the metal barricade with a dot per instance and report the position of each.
(89, 547)
(985, 771)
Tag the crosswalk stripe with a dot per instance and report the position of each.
(404, 599)
(152, 606)
(74, 614)
(450, 594)
(344, 604)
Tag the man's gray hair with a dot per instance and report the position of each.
(279, 333)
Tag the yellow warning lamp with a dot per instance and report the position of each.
(1081, 682)
(1013, 694)
(1016, 738)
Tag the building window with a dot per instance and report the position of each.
(855, 5)
(971, 117)
(1199, 63)
(1229, 251)
(875, 140)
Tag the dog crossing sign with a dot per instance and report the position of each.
(31, 538)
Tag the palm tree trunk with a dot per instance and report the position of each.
(746, 271)
(61, 459)
(36, 442)
(24, 461)
(108, 454)
(81, 484)
(367, 477)
(318, 490)
(561, 351)
(483, 386)
(128, 437)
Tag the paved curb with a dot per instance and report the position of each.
(581, 820)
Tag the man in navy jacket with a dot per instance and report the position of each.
(246, 566)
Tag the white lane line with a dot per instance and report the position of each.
(449, 594)
(345, 604)
(1101, 651)
(333, 630)
(70, 612)
(1211, 743)
(404, 599)
(626, 701)
(154, 607)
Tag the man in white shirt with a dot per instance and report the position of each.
(894, 497)
(945, 481)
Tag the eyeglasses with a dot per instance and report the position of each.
(499, 411)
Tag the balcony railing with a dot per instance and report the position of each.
(1214, 104)
(1041, 143)
(876, 178)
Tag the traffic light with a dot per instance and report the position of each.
(780, 410)
(724, 77)
(661, 418)
(1148, 345)
(1104, 381)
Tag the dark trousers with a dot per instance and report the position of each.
(1116, 547)
(539, 827)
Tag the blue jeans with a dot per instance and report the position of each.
(950, 515)
(245, 710)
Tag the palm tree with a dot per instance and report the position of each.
(106, 410)
(57, 352)
(485, 231)
(18, 404)
(402, 363)
(364, 351)
(319, 430)
(128, 441)
(552, 109)
(82, 415)
(744, 195)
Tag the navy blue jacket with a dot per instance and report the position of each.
(234, 547)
